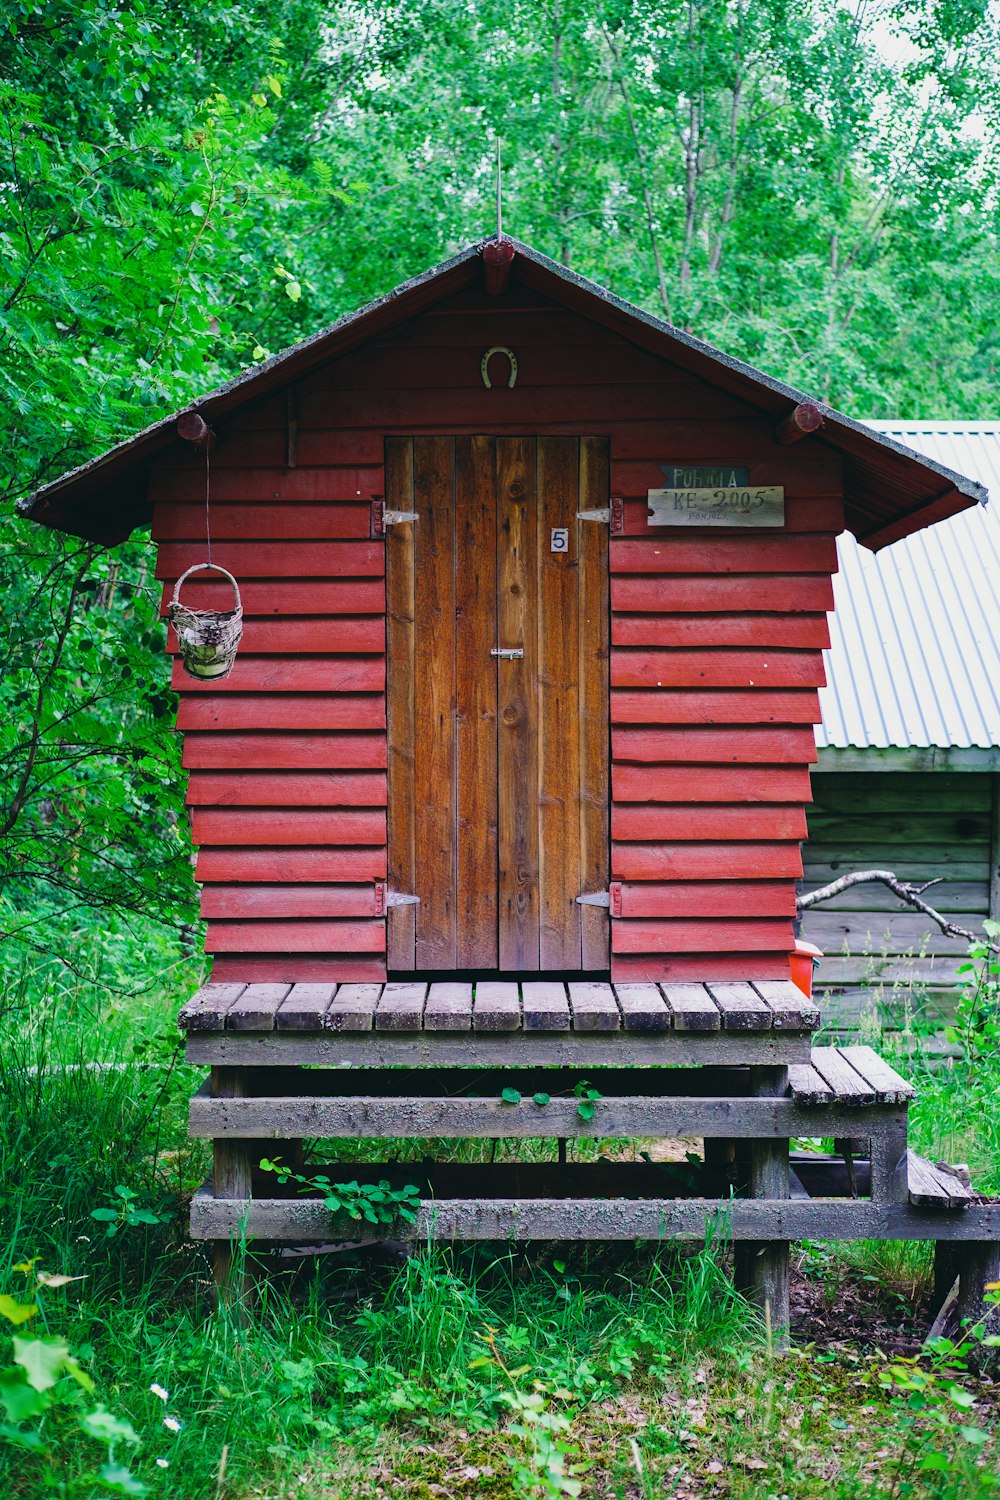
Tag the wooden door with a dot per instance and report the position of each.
(498, 765)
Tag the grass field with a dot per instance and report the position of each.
(496, 1373)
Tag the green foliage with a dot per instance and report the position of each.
(373, 1202)
(129, 1212)
(935, 1412)
(45, 1393)
(976, 1027)
(586, 1096)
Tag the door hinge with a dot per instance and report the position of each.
(611, 898)
(384, 898)
(507, 652)
(381, 518)
(612, 516)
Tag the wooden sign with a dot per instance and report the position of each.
(724, 505)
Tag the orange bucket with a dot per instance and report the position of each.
(803, 962)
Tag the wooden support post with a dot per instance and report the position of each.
(947, 1263)
(762, 1266)
(195, 430)
(800, 422)
(888, 1164)
(231, 1178)
(979, 1264)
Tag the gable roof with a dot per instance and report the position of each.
(890, 491)
(915, 655)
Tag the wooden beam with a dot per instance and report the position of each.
(372, 1116)
(800, 422)
(482, 1049)
(498, 257)
(195, 430)
(531, 1216)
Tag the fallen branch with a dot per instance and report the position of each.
(911, 894)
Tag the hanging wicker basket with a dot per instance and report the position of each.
(208, 638)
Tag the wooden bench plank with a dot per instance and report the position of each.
(808, 1086)
(256, 1008)
(889, 1087)
(400, 1007)
(545, 1005)
(206, 1010)
(449, 1007)
(594, 1007)
(522, 1215)
(847, 1083)
(304, 1007)
(691, 1007)
(643, 1007)
(793, 1011)
(741, 1006)
(353, 1008)
(496, 1007)
(933, 1187)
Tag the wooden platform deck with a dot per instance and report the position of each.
(490, 1005)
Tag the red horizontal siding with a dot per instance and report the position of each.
(704, 783)
(260, 479)
(348, 634)
(263, 522)
(290, 674)
(334, 752)
(296, 937)
(286, 789)
(698, 966)
(698, 631)
(702, 593)
(285, 825)
(743, 554)
(693, 820)
(786, 746)
(277, 559)
(312, 596)
(737, 706)
(691, 861)
(704, 898)
(238, 902)
(286, 711)
(716, 667)
(706, 937)
(296, 968)
(294, 866)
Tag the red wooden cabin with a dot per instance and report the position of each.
(648, 746)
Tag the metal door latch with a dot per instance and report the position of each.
(507, 652)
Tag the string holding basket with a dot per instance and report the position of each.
(208, 638)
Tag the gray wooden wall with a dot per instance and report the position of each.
(920, 825)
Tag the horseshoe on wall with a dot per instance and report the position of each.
(484, 365)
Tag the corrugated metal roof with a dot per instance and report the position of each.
(915, 659)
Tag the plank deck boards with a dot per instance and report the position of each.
(533, 1005)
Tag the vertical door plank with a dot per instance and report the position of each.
(595, 780)
(434, 709)
(476, 702)
(517, 746)
(559, 707)
(400, 701)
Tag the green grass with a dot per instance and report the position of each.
(375, 1375)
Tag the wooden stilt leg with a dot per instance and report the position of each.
(888, 1164)
(947, 1263)
(766, 1263)
(979, 1264)
(232, 1162)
